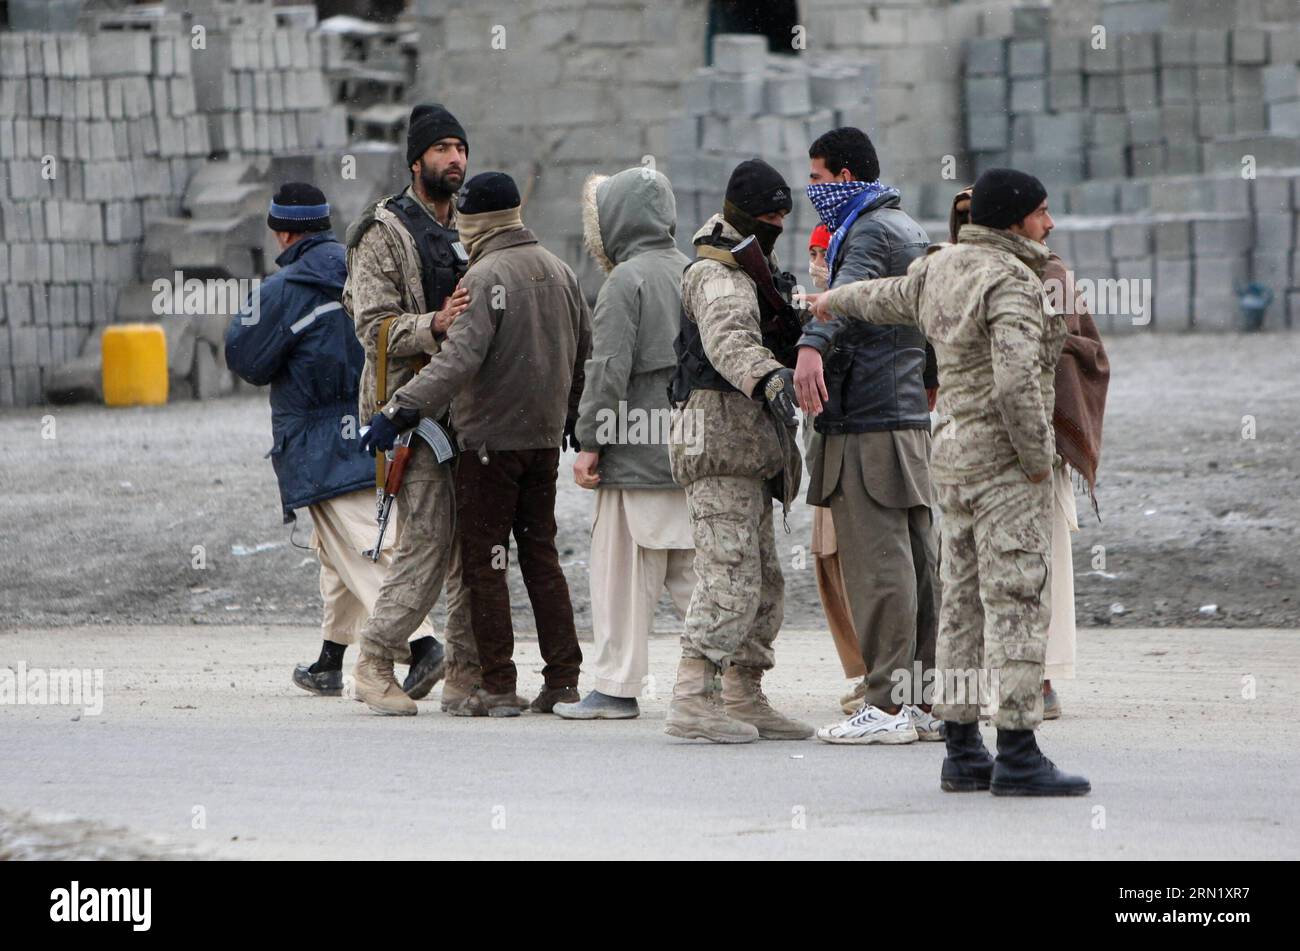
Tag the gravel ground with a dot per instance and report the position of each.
(104, 511)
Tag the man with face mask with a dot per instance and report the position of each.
(404, 263)
(869, 461)
(733, 449)
(818, 243)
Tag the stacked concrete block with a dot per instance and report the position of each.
(91, 139)
(264, 92)
(755, 103)
(101, 135)
(1209, 83)
(553, 91)
(369, 68)
(916, 94)
(1187, 116)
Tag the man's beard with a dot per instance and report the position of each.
(439, 184)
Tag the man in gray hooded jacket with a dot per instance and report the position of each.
(641, 536)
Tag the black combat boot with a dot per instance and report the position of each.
(968, 765)
(428, 661)
(1022, 770)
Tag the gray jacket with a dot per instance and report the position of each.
(876, 376)
(628, 224)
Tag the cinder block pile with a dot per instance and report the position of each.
(97, 136)
(553, 90)
(1166, 133)
(264, 92)
(101, 135)
(217, 236)
(1076, 106)
(752, 102)
(916, 49)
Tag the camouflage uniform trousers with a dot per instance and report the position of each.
(996, 601)
(739, 599)
(426, 562)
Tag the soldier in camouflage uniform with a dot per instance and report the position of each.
(390, 278)
(733, 448)
(982, 305)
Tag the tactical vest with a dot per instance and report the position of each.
(695, 372)
(442, 257)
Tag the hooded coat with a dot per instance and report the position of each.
(303, 344)
(629, 220)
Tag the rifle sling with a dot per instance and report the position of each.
(381, 392)
(716, 254)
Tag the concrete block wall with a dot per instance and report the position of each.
(553, 90)
(95, 141)
(1153, 121)
(107, 142)
(753, 102)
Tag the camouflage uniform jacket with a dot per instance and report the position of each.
(384, 281)
(981, 303)
(728, 433)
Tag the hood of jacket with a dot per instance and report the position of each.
(627, 214)
(319, 260)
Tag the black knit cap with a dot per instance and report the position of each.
(756, 188)
(488, 191)
(430, 122)
(299, 207)
(1004, 197)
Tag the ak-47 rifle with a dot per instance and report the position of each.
(401, 456)
(781, 323)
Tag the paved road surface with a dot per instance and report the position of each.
(204, 718)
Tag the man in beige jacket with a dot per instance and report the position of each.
(403, 267)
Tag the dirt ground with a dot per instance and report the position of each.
(171, 516)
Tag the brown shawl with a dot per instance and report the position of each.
(1082, 378)
(1082, 373)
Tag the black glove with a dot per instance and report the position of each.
(778, 389)
(570, 440)
(383, 432)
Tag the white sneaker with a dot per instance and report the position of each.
(927, 726)
(871, 725)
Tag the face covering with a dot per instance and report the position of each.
(821, 275)
(764, 233)
(475, 229)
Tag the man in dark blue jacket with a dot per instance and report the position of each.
(297, 337)
(870, 458)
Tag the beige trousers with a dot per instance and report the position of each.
(342, 528)
(640, 546)
(1059, 663)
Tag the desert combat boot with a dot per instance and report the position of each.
(692, 714)
(378, 689)
(743, 699)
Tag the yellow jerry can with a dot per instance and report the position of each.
(135, 365)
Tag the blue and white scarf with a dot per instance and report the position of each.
(838, 205)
